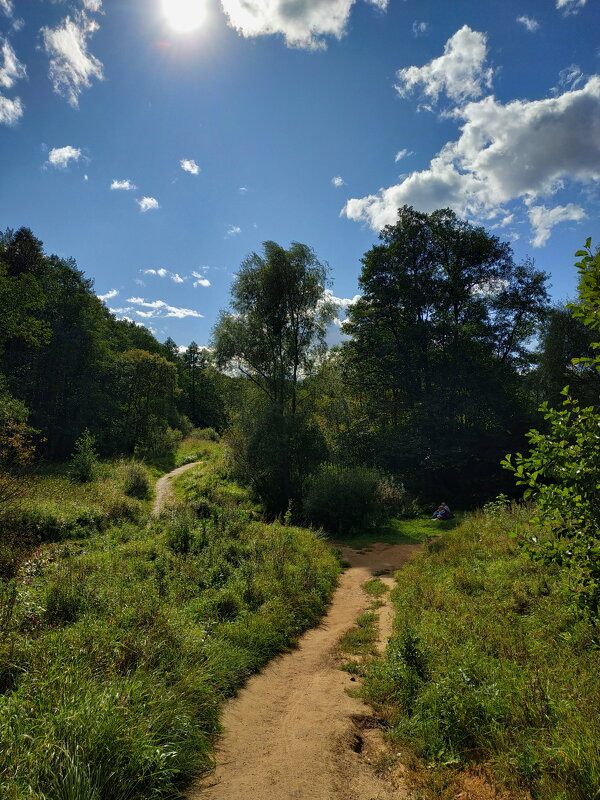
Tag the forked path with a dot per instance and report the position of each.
(293, 732)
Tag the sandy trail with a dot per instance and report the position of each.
(163, 487)
(293, 732)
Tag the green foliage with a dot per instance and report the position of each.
(562, 473)
(208, 434)
(84, 461)
(136, 482)
(273, 337)
(436, 350)
(343, 500)
(274, 454)
(562, 470)
(470, 678)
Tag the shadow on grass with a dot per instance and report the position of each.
(400, 531)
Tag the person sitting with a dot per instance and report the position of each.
(442, 512)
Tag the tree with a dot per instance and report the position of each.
(274, 336)
(562, 470)
(564, 338)
(149, 386)
(437, 343)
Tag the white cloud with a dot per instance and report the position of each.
(11, 111)
(109, 295)
(60, 157)
(148, 203)
(569, 78)
(460, 72)
(200, 280)
(72, 67)
(92, 5)
(158, 308)
(233, 230)
(189, 165)
(403, 154)
(338, 181)
(522, 149)
(7, 7)
(243, 190)
(544, 219)
(176, 278)
(529, 23)
(11, 69)
(125, 186)
(162, 272)
(570, 6)
(302, 23)
(420, 28)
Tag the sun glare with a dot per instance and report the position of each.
(184, 15)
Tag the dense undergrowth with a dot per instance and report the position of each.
(117, 650)
(487, 666)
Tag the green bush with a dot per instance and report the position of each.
(84, 461)
(136, 482)
(343, 499)
(208, 434)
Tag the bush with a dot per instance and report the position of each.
(209, 434)
(343, 499)
(135, 481)
(84, 461)
(394, 500)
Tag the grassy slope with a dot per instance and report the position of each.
(123, 646)
(487, 666)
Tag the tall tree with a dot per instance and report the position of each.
(274, 336)
(437, 342)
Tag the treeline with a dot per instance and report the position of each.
(439, 375)
(447, 355)
(67, 364)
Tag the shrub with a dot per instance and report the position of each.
(84, 461)
(394, 500)
(135, 480)
(343, 499)
(209, 434)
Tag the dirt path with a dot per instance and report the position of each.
(294, 733)
(163, 487)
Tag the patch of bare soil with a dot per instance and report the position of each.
(163, 487)
(294, 732)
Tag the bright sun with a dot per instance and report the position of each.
(184, 15)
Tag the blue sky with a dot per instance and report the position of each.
(223, 123)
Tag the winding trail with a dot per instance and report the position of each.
(163, 487)
(293, 732)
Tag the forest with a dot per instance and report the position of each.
(456, 379)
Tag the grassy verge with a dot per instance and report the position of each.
(121, 647)
(488, 670)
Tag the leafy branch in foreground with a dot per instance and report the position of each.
(562, 471)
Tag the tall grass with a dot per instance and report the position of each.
(487, 666)
(124, 645)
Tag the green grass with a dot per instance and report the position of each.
(375, 587)
(54, 507)
(123, 646)
(402, 531)
(487, 666)
(194, 448)
(360, 640)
